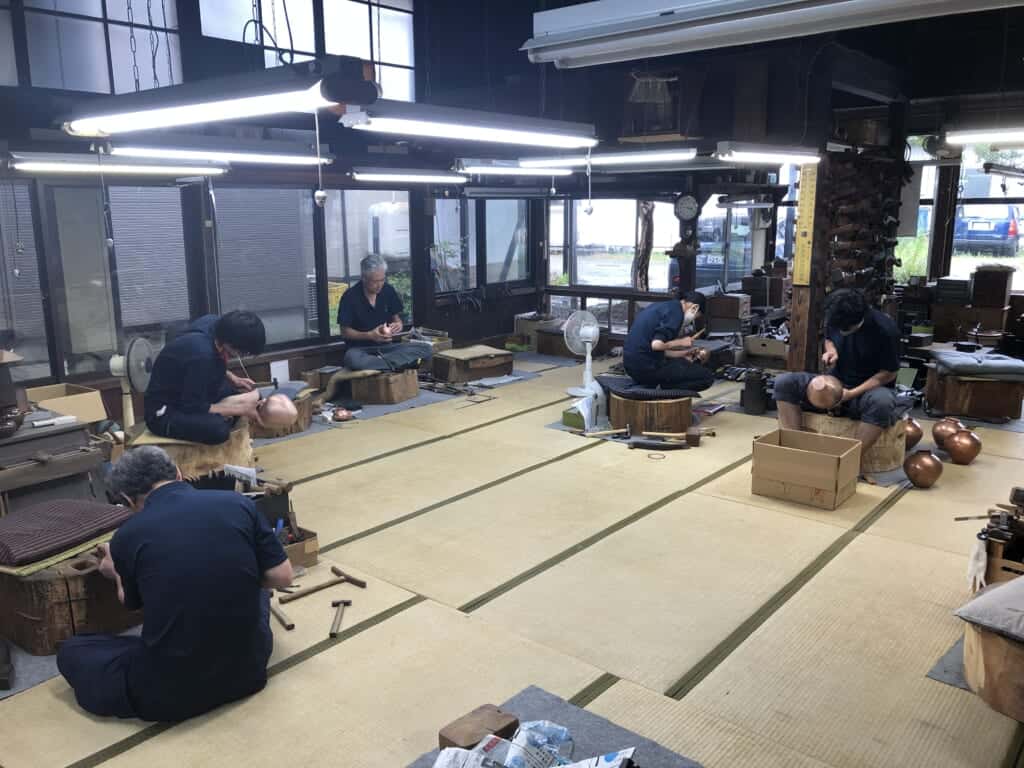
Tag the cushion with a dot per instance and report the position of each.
(624, 386)
(999, 608)
(45, 529)
(990, 365)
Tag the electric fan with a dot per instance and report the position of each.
(133, 368)
(582, 333)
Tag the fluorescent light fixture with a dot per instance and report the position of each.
(50, 162)
(750, 154)
(406, 176)
(505, 168)
(607, 159)
(220, 156)
(609, 31)
(428, 121)
(981, 136)
(1003, 170)
(304, 87)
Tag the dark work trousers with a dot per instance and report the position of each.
(674, 374)
(206, 428)
(100, 669)
(388, 357)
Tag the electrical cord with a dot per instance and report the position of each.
(291, 40)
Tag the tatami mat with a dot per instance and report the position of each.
(650, 601)
(690, 731)
(44, 726)
(926, 516)
(351, 501)
(736, 487)
(462, 550)
(376, 700)
(838, 673)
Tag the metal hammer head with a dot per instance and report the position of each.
(336, 603)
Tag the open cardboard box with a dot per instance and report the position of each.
(84, 403)
(817, 470)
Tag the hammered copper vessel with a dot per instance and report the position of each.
(923, 468)
(912, 430)
(944, 429)
(963, 446)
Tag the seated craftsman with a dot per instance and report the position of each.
(659, 349)
(862, 353)
(191, 394)
(199, 563)
(370, 316)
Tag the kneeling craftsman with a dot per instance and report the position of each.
(659, 349)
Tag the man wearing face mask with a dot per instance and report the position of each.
(659, 349)
(862, 351)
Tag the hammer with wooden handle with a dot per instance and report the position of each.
(340, 578)
(340, 606)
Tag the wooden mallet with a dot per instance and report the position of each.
(340, 578)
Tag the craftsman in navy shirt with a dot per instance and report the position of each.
(191, 394)
(659, 349)
(862, 351)
(198, 563)
(370, 315)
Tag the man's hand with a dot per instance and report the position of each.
(381, 334)
(242, 385)
(395, 327)
(831, 356)
(106, 564)
(848, 394)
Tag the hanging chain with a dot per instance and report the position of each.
(154, 42)
(167, 43)
(132, 44)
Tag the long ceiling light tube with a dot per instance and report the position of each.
(986, 136)
(753, 154)
(608, 159)
(504, 168)
(405, 176)
(82, 164)
(222, 150)
(427, 121)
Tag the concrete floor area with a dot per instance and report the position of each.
(658, 592)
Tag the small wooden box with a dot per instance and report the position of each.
(470, 729)
(304, 405)
(675, 415)
(40, 611)
(994, 668)
(997, 567)
(974, 398)
(733, 306)
(386, 389)
(991, 287)
(457, 366)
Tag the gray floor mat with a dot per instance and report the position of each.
(950, 668)
(554, 361)
(591, 734)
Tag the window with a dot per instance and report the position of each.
(68, 45)
(360, 223)
(149, 249)
(265, 258)
(712, 228)
(453, 251)
(380, 32)
(8, 64)
(507, 252)
(988, 222)
(558, 269)
(605, 242)
(22, 324)
(666, 235)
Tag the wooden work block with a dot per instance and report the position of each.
(993, 666)
(888, 451)
(386, 388)
(197, 459)
(675, 415)
(974, 398)
(471, 728)
(457, 366)
(40, 611)
(304, 406)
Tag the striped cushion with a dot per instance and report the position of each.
(37, 532)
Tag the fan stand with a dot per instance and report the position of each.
(588, 377)
(127, 407)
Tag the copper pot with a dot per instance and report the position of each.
(963, 446)
(912, 430)
(945, 428)
(923, 468)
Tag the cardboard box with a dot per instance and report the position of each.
(729, 305)
(817, 470)
(470, 729)
(761, 346)
(306, 550)
(84, 403)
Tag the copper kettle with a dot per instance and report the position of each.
(963, 446)
(923, 468)
(945, 428)
(913, 432)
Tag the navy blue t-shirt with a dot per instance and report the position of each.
(356, 312)
(875, 347)
(189, 373)
(658, 321)
(194, 561)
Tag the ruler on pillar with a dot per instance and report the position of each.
(805, 225)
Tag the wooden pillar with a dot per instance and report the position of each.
(810, 267)
(940, 254)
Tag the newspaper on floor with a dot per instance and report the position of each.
(495, 752)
